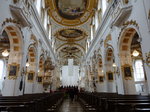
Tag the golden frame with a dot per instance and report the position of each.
(126, 1)
(147, 60)
(30, 76)
(127, 72)
(101, 79)
(110, 76)
(13, 71)
(40, 79)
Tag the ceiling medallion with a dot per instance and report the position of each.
(70, 49)
(70, 34)
(71, 9)
(81, 48)
(71, 12)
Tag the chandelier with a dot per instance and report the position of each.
(5, 53)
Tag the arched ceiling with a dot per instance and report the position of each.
(70, 21)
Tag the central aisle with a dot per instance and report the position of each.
(68, 106)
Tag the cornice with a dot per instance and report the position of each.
(43, 32)
(101, 26)
(106, 22)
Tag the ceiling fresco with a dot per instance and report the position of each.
(70, 50)
(71, 9)
(71, 12)
(71, 33)
(67, 34)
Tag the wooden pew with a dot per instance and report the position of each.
(30, 102)
(112, 102)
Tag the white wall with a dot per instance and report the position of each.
(70, 79)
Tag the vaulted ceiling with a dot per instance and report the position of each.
(71, 26)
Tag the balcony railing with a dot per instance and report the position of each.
(21, 10)
(121, 11)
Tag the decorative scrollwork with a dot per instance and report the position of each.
(48, 65)
(148, 59)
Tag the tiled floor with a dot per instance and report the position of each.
(68, 106)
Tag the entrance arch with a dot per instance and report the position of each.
(30, 68)
(101, 84)
(130, 54)
(40, 75)
(110, 76)
(11, 41)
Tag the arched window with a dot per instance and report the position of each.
(38, 6)
(92, 32)
(50, 32)
(138, 70)
(96, 20)
(45, 20)
(104, 6)
(1, 68)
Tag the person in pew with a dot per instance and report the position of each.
(3, 85)
(76, 91)
(0, 92)
(71, 94)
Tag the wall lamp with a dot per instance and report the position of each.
(135, 53)
(5, 53)
(116, 68)
(27, 64)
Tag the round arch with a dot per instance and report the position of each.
(129, 41)
(31, 58)
(15, 38)
(110, 75)
(109, 54)
(15, 48)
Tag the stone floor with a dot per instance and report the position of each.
(68, 106)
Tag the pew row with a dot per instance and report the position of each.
(113, 102)
(46, 102)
